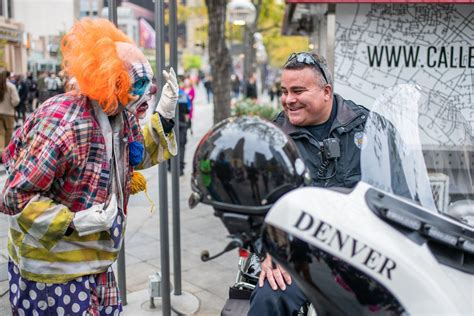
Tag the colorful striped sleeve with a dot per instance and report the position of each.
(40, 162)
(44, 220)
(158, 146)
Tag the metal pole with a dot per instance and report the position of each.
(182, 303)
(122, 275)
(173, 36)
(162, 176)
(113, 11)
(5, 9)
(121, 266)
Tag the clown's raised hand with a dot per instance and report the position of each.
(169, 95)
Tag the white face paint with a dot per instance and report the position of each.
(141, 75)
(139, 106)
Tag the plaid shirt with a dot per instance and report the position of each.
(57, 164)
(65, 156)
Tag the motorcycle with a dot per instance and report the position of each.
(402, 241)
(241, 166)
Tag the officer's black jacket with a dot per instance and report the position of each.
(350, 119)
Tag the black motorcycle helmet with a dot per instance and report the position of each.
(243, 165)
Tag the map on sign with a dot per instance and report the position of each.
(378, 46)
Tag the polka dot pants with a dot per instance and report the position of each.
(85, 295)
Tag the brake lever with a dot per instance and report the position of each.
(233, 244)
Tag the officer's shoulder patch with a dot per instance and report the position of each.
(360, 140)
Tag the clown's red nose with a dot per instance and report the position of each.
(153, 89)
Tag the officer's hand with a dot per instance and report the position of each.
(277, 277)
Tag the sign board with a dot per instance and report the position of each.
(381, 45)
(11, 35)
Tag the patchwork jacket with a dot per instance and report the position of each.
(58, 164)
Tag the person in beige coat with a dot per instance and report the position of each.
(9, 99)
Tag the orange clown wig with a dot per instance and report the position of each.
(90, 56)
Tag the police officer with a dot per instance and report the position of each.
(328, 131)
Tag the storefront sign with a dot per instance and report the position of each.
(381, 45)
(11, 35)
(378, 46)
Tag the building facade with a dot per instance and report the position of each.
(43, 49)
(13, 42)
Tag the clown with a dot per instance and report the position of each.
(69, 169)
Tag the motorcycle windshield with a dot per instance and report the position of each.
(418, 144)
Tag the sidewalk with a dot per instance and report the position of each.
(200, 230)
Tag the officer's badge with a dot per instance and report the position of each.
(360, 140)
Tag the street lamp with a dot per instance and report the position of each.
(242, 12)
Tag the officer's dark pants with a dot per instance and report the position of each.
(265, 301)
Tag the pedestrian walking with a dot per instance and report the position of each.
(23, 92)
(9, 99)
(251, 88)
(53, 84)
(32, 93)
(235, 83)
(208, 87)
(43, 93)
(188, 87)
(184, 123)
(275, 91)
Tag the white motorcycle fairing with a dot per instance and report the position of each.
(383, 270)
